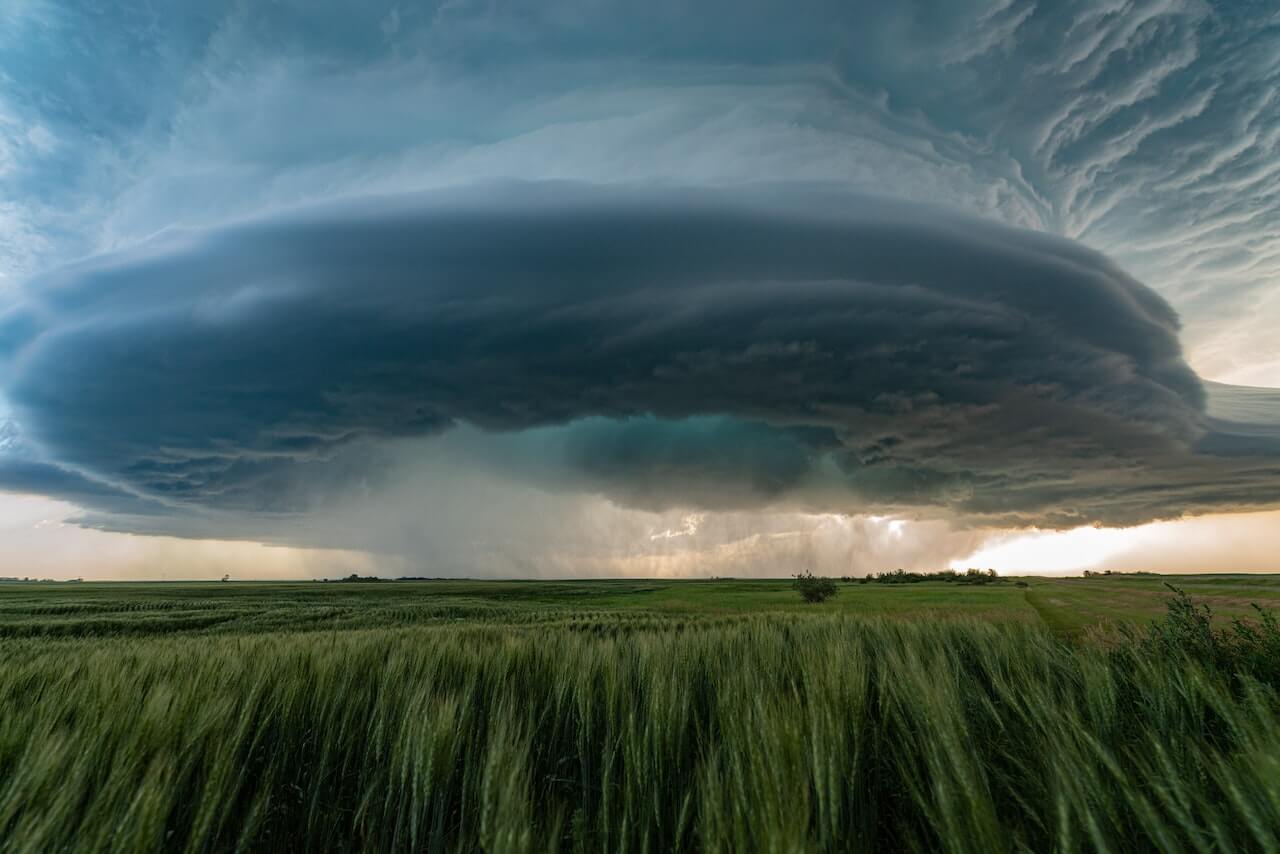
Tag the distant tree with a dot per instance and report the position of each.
(226, 577)
(814, 588)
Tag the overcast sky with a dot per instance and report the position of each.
(592, 288)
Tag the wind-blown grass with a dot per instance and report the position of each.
(754, 733)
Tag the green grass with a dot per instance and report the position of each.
(1068, 606)
(626, 716)
(1074, 605)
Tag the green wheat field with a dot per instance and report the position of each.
(1103, 714)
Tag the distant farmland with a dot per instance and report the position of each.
(620, 715)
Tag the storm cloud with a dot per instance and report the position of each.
(1149, 129)
(777, 345)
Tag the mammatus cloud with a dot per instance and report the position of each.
(780, 346)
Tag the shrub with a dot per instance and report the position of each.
(1188, 631)
(814, 588)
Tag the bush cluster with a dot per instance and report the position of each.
(814, 588)
(900, 576)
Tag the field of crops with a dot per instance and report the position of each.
(637, 716)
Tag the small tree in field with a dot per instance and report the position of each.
(814, 588)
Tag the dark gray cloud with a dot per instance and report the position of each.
(666, 347)
(41, 478)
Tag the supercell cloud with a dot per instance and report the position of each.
(773, 346)
(469, 280)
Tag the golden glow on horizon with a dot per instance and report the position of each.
(1049, 551)
(1243, 542)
